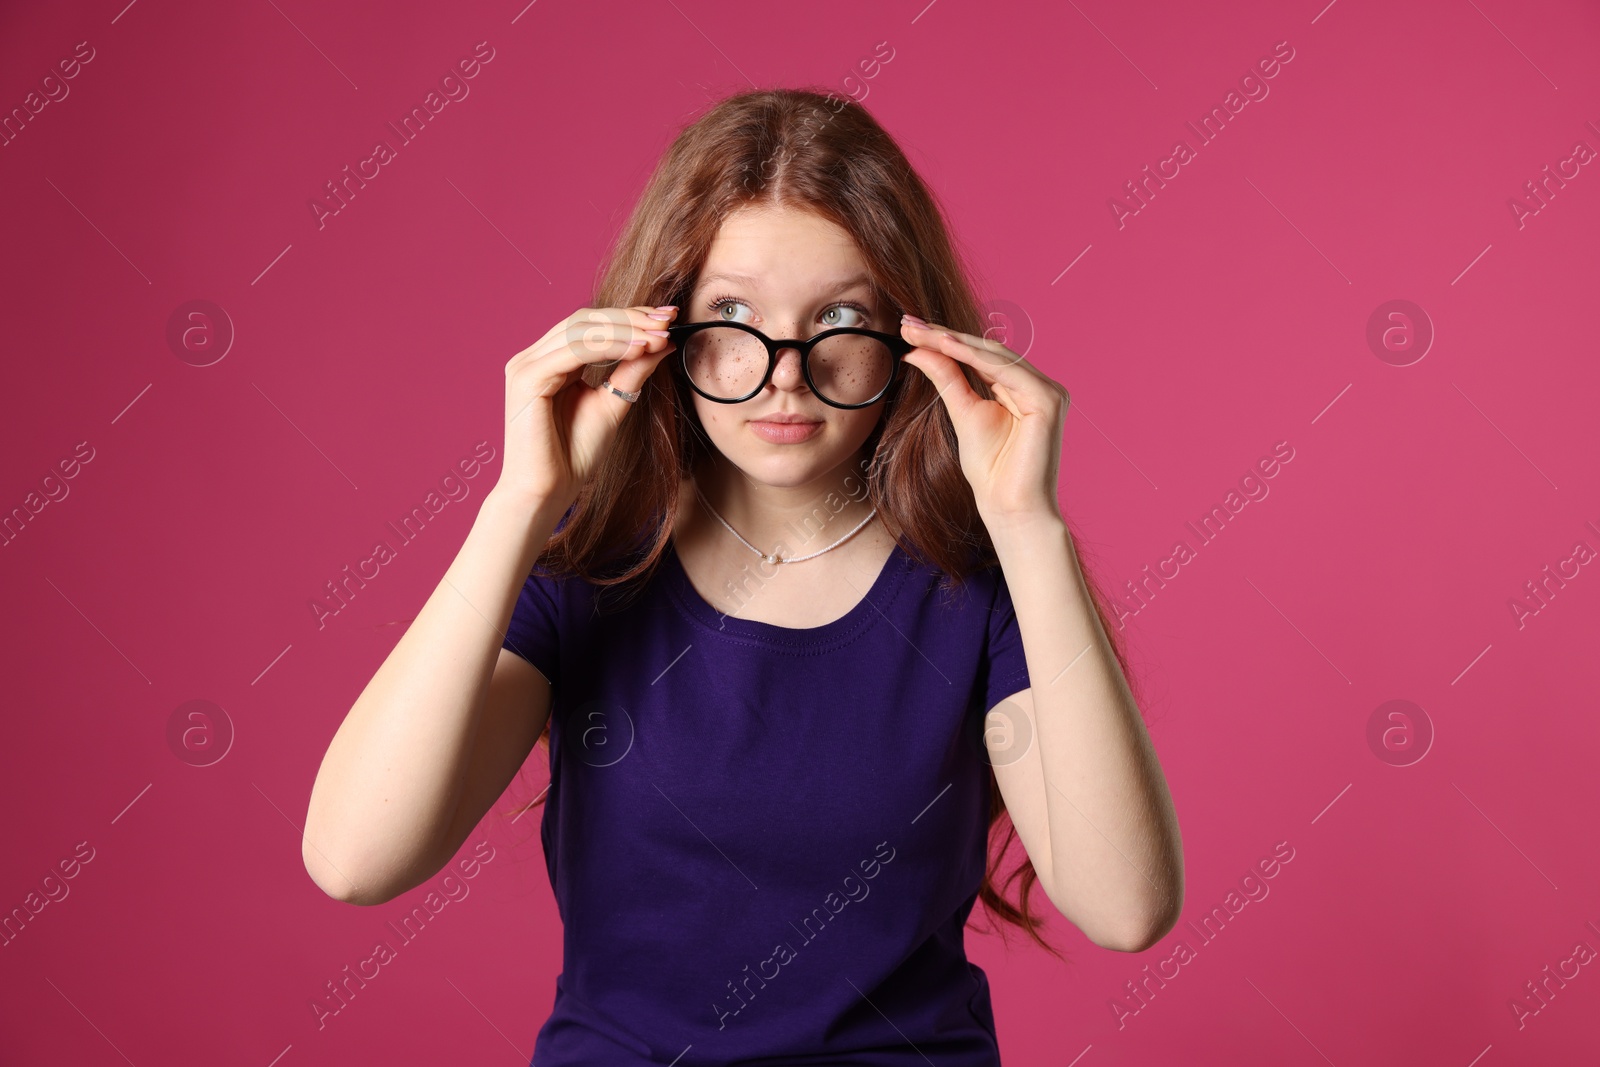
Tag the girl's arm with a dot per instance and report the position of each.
(430, 744)
(1114, 862)
(1111, 858)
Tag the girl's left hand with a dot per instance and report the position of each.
(1010, 446)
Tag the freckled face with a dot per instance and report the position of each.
(789, 273)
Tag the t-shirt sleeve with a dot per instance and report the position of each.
(1008, 669)
(535, 626)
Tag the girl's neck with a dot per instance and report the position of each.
(795, 520)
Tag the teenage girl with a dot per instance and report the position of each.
(800, 619)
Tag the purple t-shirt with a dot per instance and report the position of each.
(764, 842)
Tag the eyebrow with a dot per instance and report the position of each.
(754, 282)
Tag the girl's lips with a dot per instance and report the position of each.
(785, 433)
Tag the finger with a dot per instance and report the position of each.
(602, 332)
(531, 382)
(625, 327)
(631, 374)
(639, 362)
(989, 353)
(945, 373)
(1021, 388)
(994, 363)
(554, 364)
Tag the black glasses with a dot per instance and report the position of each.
(730, 362)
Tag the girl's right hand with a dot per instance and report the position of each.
(558, 428)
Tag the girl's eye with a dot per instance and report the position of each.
(718, 306)
(841, 309)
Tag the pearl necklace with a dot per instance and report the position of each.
(773, 557)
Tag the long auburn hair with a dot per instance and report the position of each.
(807, 149)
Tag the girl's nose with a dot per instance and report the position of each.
(787, 373)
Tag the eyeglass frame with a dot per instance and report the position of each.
(898, 347)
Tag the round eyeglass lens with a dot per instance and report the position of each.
(851, 368)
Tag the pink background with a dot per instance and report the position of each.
(1229, 314)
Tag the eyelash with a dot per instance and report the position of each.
(716, 305)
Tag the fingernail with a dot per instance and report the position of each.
(913, 320)
(667, 307)
(662, 315)
(658, 333)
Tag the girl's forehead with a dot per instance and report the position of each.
(786, 269)
(787, 253)
(758, 242)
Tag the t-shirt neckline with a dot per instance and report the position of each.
(862, 615)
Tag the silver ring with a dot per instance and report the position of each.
(629, 397)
